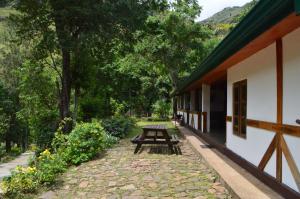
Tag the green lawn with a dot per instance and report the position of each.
(138, 129)
(4, 12)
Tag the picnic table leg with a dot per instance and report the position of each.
(171, 147)
(137, 148)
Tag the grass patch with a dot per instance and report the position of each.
(5, 12)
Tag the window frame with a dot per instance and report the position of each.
(239, 108)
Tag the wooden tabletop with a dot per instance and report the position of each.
(155, 127)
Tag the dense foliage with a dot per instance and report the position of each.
(84, 142)
(162, 109)
(64, 65)
(90, 60)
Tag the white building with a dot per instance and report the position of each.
(245, 97)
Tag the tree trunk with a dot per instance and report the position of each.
(76, 101)
(66, 89)
(7, 142)
(174, 107)
(9, 131)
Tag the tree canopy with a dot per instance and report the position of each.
(81, 60)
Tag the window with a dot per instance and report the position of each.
(240, 108)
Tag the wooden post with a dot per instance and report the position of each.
(204, 115)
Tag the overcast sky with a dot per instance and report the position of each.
(210, 7)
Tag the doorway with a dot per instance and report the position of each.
(218, 111)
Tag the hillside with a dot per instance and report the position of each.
(230, 14)
(227, 15)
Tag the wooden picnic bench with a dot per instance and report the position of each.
(155, 134)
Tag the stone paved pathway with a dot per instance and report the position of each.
(150, 174)
(22, 160)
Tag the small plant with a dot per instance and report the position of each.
(84, 142)
(118, 126)
(23, 180)
(49, 166)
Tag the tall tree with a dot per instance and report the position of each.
(174, 39)
(67, 25)
(12, 56)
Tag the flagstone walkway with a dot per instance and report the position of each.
(21, 160)
(149, 174)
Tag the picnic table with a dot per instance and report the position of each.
(155, 134)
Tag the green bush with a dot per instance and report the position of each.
(49, 166)
(15, 151)
(118, 126)
(84, 142)
(23, 180)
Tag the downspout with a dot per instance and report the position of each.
(297, 7)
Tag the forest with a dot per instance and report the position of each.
(65, 64)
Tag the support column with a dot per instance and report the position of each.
(192, 122)
(192, 98)
(206, 107)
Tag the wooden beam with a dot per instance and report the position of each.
(229, 118)
(279, 73)
(199, 121)
(274, 127)
(279, 157)
(267, 156)
(279, 78)
(291, 162)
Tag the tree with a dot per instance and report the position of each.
(173, 39)
(63, 27)
(12, 56)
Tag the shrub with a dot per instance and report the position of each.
(23, 180)
(110, 140)
(84, 142)
(49, 166)
(162, 109)
(2, 151)
(118, 126)
(15, 151)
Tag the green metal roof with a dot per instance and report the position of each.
(264, 15)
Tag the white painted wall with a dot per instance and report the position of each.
(291, 96)
(206, 104)
(184, 114)
(291, 77)
(195, 116)
(260, 72)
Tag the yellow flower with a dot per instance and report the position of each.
(46, 153)
(31, 169)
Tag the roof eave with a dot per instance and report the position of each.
(262, 17)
